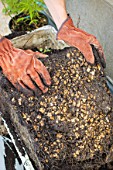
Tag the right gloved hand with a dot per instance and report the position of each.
(80, 39)
(22, 66)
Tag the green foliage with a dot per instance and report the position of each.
(45, 51)
(30, 8)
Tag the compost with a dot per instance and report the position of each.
(71, 126)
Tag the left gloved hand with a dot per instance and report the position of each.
(23, 68)
(80, 39)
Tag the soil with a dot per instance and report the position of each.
(15, 34)
(3, 130)
(71, 126)
(25, 25)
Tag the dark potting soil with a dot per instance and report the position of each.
(71, 126)
(25, 25)
(15, 34)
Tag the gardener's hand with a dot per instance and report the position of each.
(22, 67)
(80, 39)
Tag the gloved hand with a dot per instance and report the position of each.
(80, 39)
(22, 66)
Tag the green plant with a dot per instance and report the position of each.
(30, 8)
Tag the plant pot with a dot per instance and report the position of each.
(24, 25)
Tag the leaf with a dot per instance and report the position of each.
(20, 19)
(30, 7)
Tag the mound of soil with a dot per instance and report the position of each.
(71, 126)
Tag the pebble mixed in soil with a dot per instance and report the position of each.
(72, 124)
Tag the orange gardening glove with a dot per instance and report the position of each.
(80, 39)
(22, 67)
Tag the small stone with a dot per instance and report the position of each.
(42, 110)
(20, 101)
(68, 55)
(59, 135)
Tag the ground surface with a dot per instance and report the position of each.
(4, 20)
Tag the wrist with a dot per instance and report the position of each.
(5, 45)
(1, 36)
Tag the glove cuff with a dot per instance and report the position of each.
(5, 45)
(1, 39)
(65, 26)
